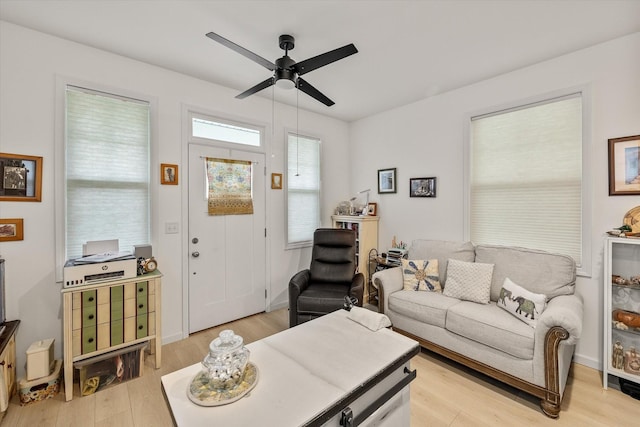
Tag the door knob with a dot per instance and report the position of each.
(195, 254)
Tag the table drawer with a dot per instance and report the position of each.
(117, 332)
(89, 298)
(89, 339)
(142, 328)
(117, 310)
(89, 316)
(117, 293)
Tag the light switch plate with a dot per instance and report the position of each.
(171, 228)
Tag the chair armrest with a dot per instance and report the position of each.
(564, 311)
(298, 283)
(357, 288)
(387, 281)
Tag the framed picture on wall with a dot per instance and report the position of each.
(387, 180)
(11, 229)
(168, 174)
(276, 181)
(624, 166)
(422, 187)
(20, 178)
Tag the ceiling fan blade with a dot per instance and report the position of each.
(304, 86)
(242, 51)
(316, 62)
(257, 88)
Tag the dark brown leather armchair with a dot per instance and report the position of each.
(321, 288)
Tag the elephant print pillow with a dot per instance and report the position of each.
(523, 304)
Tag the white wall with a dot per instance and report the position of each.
(30, 64)
(426, 139)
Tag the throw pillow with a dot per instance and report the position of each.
(421, 275)
(523, 304)
(470, 281)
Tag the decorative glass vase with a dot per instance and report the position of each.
(226, 361)
(226, 374)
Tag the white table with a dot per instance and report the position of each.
(308, 375)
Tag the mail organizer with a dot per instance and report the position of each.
(104, 317)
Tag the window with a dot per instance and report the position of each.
(107, 169)
(526, 177)
(303, 189)
(225, 131)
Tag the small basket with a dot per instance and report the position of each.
(41, 388)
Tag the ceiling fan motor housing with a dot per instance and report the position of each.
(284, 69)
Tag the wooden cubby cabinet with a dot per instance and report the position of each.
(366, 228)
(109, 316)
(621, 258)
(8, 358)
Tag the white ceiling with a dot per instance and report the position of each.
(408, 50)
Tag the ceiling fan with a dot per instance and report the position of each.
(286, 71)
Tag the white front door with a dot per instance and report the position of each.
(227, 258)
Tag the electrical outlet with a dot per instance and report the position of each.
(171, 228)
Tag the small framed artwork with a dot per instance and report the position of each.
(386, 180)
(20, 178)
(276, 181)
(624, 166)
(372, 209)
(422, 187)
(11, 229)
(168, 174)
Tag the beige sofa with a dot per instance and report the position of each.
(486, 337)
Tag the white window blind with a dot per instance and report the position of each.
(526, 177)
(107, 170)
(303, 189)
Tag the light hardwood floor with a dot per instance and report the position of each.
(444, 393)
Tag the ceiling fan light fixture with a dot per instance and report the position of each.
(285, 84)
(285, 78)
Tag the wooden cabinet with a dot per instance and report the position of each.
(8, 359)
(621, 300)
(109, 316)
(366, 228)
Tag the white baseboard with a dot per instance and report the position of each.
(588, 361)
(277, 306)
(172, 338)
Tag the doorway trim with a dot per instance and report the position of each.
(265, 149)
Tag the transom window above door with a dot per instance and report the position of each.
(215, 129)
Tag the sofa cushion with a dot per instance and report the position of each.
(470, 281)
(421, 275)
(442, 250)
(491, 326)
(521, 303)
(425, 307)
(538, 271)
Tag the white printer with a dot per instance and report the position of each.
(101, 266)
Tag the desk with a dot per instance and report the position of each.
(308, 375)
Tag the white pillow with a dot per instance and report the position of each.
(523, 304)
(470, 281)
(421, 275)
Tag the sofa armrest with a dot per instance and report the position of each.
(564, 311)
(387, 281)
